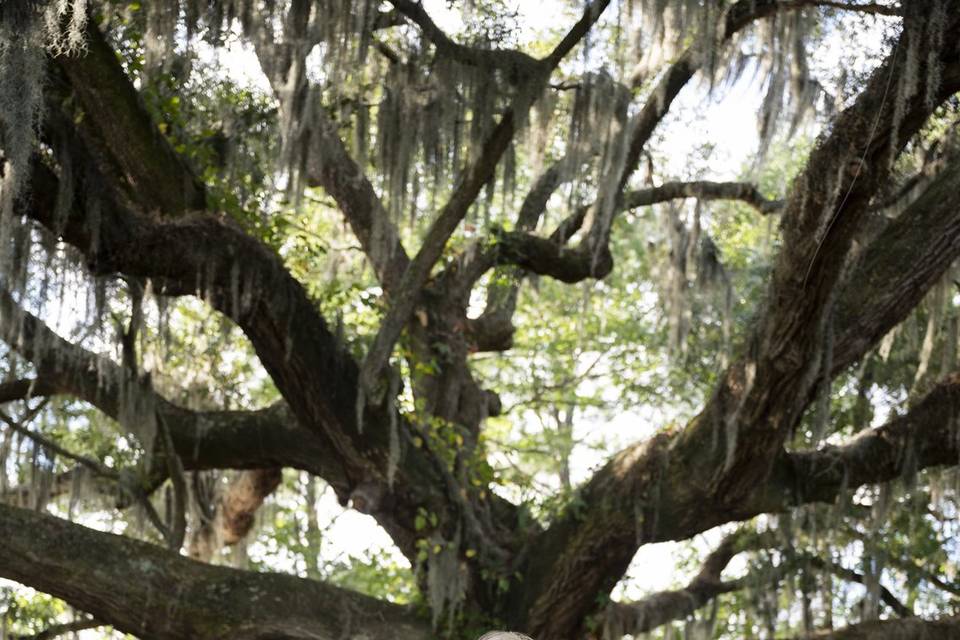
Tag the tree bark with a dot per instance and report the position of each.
(140, 589)
(905, 629)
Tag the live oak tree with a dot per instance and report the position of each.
(475, 182)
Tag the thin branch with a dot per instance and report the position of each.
(52, 446)
(663, 607)
(703, 190)
(25, 389)
(123, 481)
(852, 576)
(62, 629)
(874, 8)
(177, 520)
(592, 258)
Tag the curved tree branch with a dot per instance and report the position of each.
(550, 256)
(925, 436)
(166, 596)
(591, 258)
(663, 607)
(208, 256)
(900, 629)
(62, 629)
(518, 66)
(703, 190)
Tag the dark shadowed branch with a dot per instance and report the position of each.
(517, 66)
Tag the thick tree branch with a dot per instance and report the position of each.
(116, 123)
(926, 436)
(516, 65)
(209, 257)
(24, 389)
(166, 596)
(330, 165)
(898, 629)
(237, 275)
(874, 8)
(101, 85)
(714, 465)
(764, 394)
(212, 258)
(899, 267)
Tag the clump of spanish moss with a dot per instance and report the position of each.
(446, 579)
(923, 25)
(28, 31)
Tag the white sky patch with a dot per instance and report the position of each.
(238, 59)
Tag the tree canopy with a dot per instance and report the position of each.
(489, 276)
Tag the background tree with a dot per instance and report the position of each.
(392, 269)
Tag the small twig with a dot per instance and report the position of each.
(122, 482)
(177, 523)
(62, 629)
